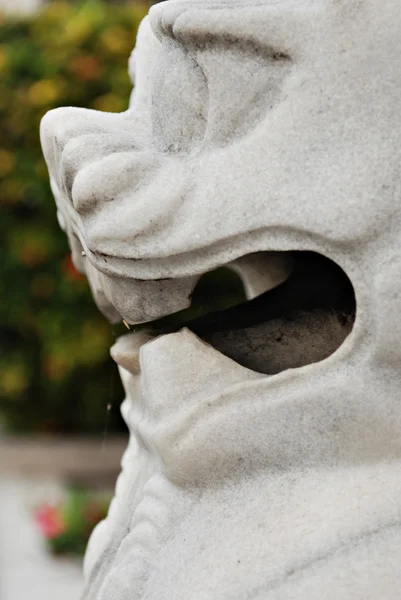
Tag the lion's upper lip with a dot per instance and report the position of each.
(136, 300)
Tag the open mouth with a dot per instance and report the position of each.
(302, 321)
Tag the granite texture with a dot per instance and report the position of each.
(255, 126)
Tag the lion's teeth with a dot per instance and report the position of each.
(125, 351)
(263, 271)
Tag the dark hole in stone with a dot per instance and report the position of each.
(302, 321)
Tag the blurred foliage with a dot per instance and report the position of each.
(67, 526)
(55, 371)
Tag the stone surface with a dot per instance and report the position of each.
(254, 127)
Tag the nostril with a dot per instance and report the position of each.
(93, 186)
(89, 149)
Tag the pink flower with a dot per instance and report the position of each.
(50, 521)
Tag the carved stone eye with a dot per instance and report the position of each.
(257, 89)
(195, 68)
(190, 85)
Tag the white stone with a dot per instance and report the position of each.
(254, 127)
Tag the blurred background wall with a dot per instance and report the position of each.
(56, 376)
